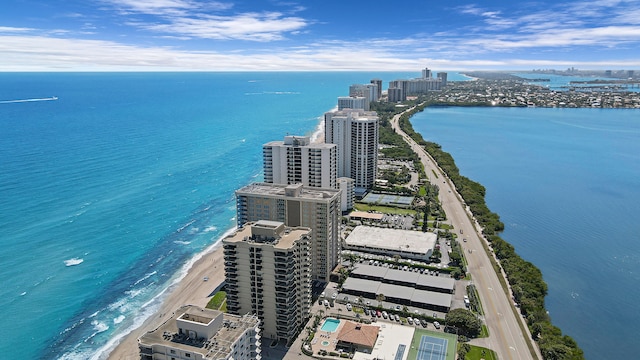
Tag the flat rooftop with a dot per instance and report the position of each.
(392, 239)
(386, 274)
(398, 291)
(285, 240)
(295, 191)
(218, 346)
(366, 215)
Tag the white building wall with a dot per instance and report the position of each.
(355, 132)
(297, 160)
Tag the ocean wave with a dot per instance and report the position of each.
(145, 277)
(182, 242)
(119, 319)
(73, 262)
(99, 327)
(210, 229)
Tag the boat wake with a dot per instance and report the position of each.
(53, 98)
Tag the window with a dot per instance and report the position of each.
(187, 355)
(173, 351)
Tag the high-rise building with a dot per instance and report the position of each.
(297, 205)
(426, 73)
(355, 132)
(297, 160)
(352, 102)
(368, 91)
(268, 273)
(194, 333)
(378, 83)
(443, 77)
(347, 195)
(395, 94)
(417, 86)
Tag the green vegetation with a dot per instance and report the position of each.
(474, 300)
(478, 353)
(384, 209)
(484, 332)
(526, 281)
(465, 321)
(217, 301)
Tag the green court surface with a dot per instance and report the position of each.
(431, 345)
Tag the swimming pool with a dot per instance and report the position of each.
(330, 325)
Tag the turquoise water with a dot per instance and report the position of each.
(566, 183)
(330, 325)
(109, 191)
(130, 175)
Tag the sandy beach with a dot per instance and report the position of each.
(192, 289)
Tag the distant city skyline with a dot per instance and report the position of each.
(274, 35)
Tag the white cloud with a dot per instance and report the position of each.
(31, 53)
(166, 7)
(8, 29)
(247, 26)
(209, 20)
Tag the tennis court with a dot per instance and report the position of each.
(388, 200)
(432, 345)
(432, 348)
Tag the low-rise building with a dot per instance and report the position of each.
(193, 333)
(389, 242)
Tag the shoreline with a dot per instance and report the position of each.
(189, 289)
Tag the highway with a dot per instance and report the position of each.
(506, 337)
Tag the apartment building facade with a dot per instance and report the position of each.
(297, 205)
(268, 273)
(296, 160)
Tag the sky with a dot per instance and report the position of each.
(320, 35)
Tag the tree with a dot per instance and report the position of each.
(455, 258)
(464, 349)
(466, 322)
(425, 219)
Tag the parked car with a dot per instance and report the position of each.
(349, 307)
(436, 324)
(410, 320)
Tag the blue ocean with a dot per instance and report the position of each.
(566, 183)
(112, 183)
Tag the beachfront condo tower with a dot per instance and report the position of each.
(297, 205)
(355, 132)
(298, 161)
(268, 273)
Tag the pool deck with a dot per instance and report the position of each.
(324, 336)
